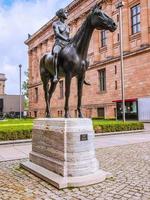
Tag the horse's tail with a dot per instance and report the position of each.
(42, 61)
(46, 69)
(42, 65)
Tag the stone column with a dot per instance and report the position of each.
(109, 42)
(30, 59)
(125, 16)
(109, 36)
(44, 46)
(149, 19)
(144, 23)
(49, 44)
(96, 45)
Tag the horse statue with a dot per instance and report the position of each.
(72, 59)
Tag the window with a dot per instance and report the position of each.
(61, 85)
(89, 112)
(102, 79)
(116, 85)
(115, 69)
(101, 112)
(75, 113)
(118, 37)
(60, 113)
(135, 19)
(36, 94)
(35, 114)
(1, 105)
(117, 18)
(131, 110)
(103, 38)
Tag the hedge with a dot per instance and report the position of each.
(15, 132)
(115, 126)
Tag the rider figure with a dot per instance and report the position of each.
(61, 31)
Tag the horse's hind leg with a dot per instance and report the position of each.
(45, 81)
(52, 89)
(80, 89)
(67, 94)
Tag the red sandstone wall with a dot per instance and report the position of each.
(136, 63)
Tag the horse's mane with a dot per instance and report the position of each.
(81, 29)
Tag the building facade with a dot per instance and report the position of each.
(9, 103)
(2, 83)
(103, 97)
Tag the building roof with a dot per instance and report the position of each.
(2, 77)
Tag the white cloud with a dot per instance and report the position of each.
(16, 21)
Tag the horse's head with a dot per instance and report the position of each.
(100, 20)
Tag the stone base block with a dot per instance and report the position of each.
(63, 152)
(61, 182)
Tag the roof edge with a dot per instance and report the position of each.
(69, 7)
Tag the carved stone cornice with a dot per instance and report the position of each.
(70, 7)
(102, 63)
(34, 84)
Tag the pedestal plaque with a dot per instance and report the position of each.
(63, 152)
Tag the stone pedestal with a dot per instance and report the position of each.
(63, 152)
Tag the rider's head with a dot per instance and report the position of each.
(62, 13)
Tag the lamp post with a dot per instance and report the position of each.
(119, 6)
(20, 102)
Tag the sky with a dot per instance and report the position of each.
(17, 19)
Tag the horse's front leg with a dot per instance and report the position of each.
(80, 89)
(67, 94)
(51, 91)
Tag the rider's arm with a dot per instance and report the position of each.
(58, 34)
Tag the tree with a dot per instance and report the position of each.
(25, 90)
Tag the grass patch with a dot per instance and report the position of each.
(102, 126)
(16, 121)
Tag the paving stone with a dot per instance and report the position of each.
(127, 163)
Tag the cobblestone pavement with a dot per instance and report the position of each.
(130, 165)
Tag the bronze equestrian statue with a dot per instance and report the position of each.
(61, 31)
(71, 59)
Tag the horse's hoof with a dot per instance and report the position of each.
(48, 116)
(67, 115)
(80, 116)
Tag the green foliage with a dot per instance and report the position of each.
(25, 86)
(102, 118)
(15, 135)
(102, 126)
(15, 129)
